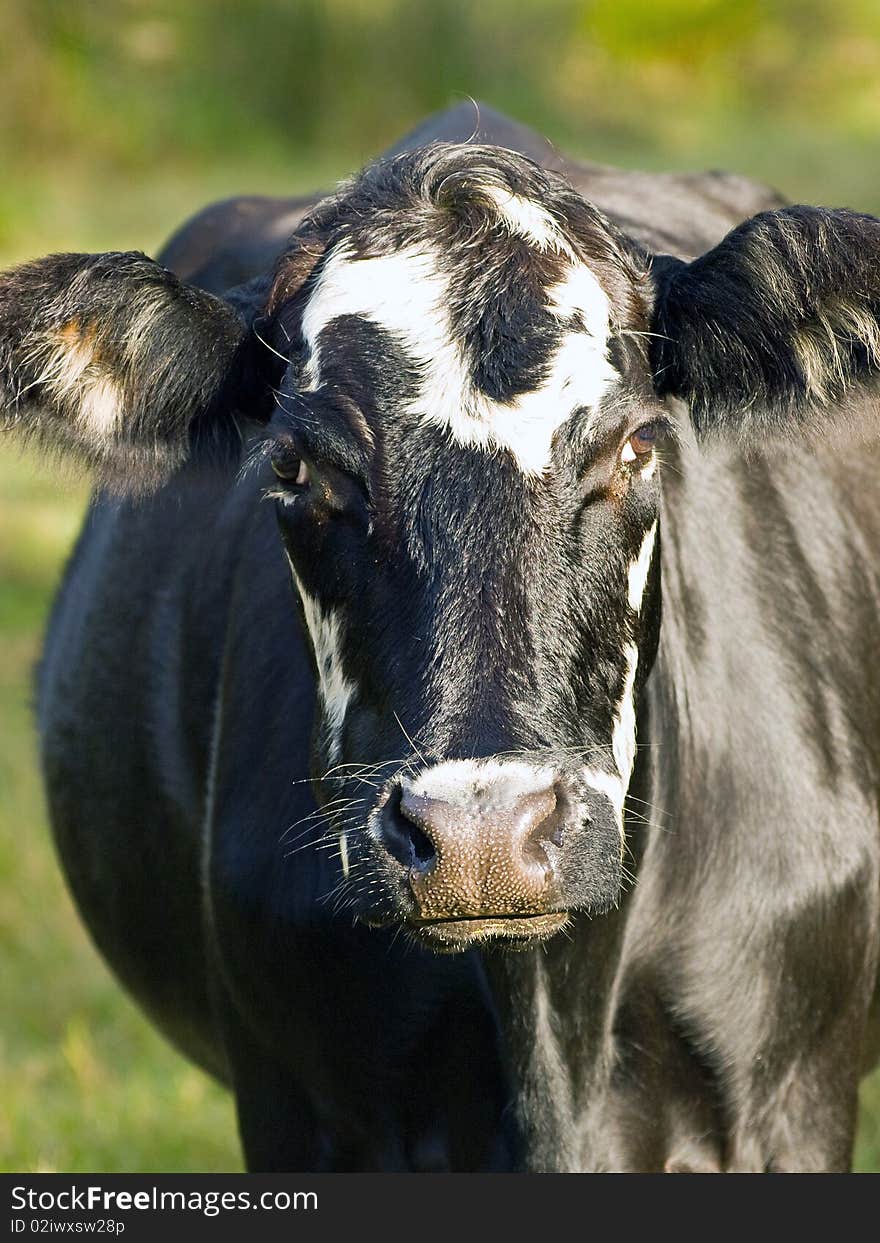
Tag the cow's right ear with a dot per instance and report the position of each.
(111, 359)
(776, 329)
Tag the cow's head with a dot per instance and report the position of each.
(472, 372)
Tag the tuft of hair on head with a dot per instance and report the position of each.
(455, 198)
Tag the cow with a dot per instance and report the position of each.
(459, 716)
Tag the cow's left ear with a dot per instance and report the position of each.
(112, 360)
(775, 327)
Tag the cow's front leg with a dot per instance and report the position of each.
(277, 1123)
(683, 1094)
(775, 991)
(798, 1114)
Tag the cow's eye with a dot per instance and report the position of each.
(642, 442)
(290, 468)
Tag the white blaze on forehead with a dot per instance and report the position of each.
(526, 218)
(581, 294)
(334, 689)
(407, 295)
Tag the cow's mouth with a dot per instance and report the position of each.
(516, 931)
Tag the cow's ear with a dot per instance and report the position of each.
(776, 327)
(114, 361)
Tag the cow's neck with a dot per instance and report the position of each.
(559, 1007)
(555, 1007)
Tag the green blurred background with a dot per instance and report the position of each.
(120, 117)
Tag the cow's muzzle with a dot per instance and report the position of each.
(480, 849)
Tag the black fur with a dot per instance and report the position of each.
(776, 327)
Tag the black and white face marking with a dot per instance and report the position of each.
(468, 497)
(408, 296)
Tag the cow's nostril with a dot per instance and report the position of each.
(537, 816)
(404, 838)
(549, 827)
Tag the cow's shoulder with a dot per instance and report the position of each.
(233, 240)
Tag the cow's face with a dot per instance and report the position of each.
(468, 484)
(467, 460)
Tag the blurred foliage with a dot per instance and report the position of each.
(134, 81)
(170, 102)
(120, 117)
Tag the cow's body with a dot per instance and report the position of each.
(716, 1019)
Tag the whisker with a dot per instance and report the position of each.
(645, 803)
(322, 813)
(410, 741)
(269, 347)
